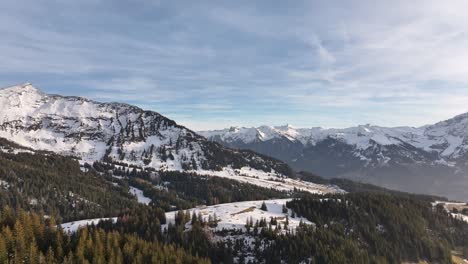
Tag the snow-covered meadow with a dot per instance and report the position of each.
(234, 216)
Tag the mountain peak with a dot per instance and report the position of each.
(21, 89)
(115, 132)
(284, 127)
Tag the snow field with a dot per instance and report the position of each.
(234, 216)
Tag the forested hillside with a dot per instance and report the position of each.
(31, 238)
(56, 186)
(370, 224)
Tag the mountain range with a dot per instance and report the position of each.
(122, 133)
(82, 174)
(113, 131)
(431, 159)
(428, 159)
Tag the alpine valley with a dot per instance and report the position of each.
(89, 182)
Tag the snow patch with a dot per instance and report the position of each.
(140, 196)
(72, 227)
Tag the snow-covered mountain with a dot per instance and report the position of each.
(431, 158)
(447, 138)
(118, 132)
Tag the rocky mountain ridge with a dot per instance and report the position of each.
(116, 132)
(428, 159)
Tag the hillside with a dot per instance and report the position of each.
(219, 219)
(114, 131)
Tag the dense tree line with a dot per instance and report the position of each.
(55, 185)
(147, 224)
(182, 190)
(369, 225)
(31, 238)
(214, 190)
(389, 228)
(352, 228)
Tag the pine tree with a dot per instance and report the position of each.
(50, 258)
(264, 206)
(3, 249)
(33, 253)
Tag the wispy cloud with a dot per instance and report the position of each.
(213, 64)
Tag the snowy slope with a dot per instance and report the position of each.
(72, 227)
(113, 131)
(139, 195)
(124, 133)
(230, 216)
(271, 180)
(461, 217)
(235, 215)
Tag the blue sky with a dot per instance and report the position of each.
(213, 64)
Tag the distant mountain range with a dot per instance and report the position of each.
(429, 159)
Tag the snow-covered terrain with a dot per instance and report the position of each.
(461, 217)
(447, 138)
(430, 159)
(232, 216)
(91, 130)
(140, 196)
(359, 136)
(449, 206)
(229, 216)
(114, 131)
(272, 180)
(72, 227)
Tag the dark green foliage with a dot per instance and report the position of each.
(219, 157)
(214, 190)
(465, 211)
(181, 190)
(369, 225)
(30, 238)
(144, 221)
(322, 245)
(391, 227)
(55, 185)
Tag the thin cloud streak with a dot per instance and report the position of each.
(213, 64)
